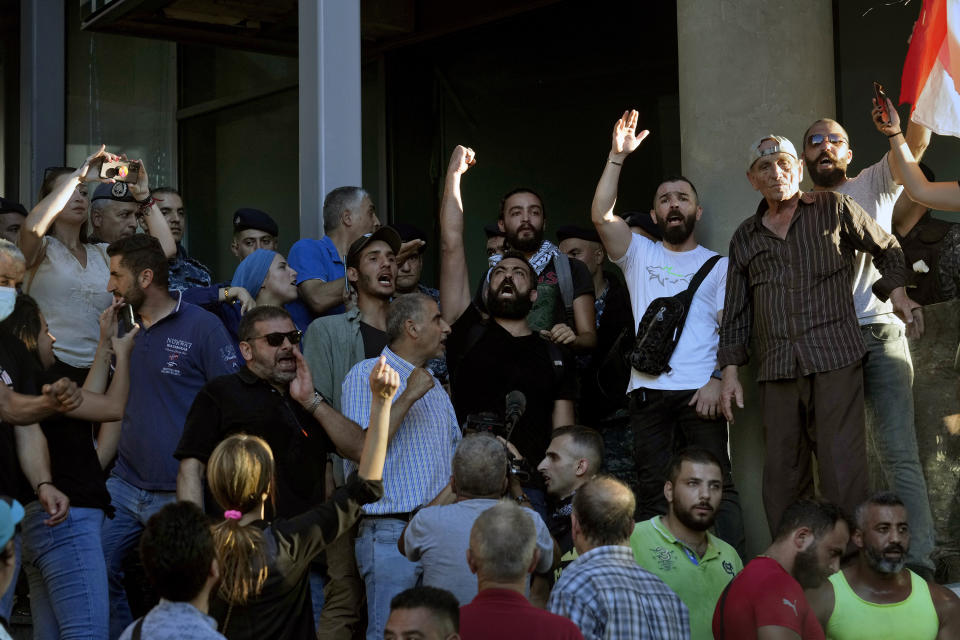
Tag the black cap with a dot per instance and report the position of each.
(11, 206)
(244, 219)
(386, 234)
(493, 231)
(117, 191)
(573, 231)
(643, 220)
(410, 232)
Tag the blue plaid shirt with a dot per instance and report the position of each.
(610, 597)
(418, 458)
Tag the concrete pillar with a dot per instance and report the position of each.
(42, 92)
(747, 68)
(329, 104)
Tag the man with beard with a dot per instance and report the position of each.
(876, 596)
(423, 437)
(178, 350)
(765, 601)
(678, 546)
(789, 277)
(887, 368)
(681, 407)
(563, 311)
(489, 358)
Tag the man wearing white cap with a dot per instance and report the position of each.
(789, 278)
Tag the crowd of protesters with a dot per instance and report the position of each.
(322, 444)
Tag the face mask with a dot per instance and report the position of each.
(8, 299)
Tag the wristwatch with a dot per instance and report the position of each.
(717, 374)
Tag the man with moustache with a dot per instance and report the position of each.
(522, 221)
(681, 407)
(678, 547)
(765, 601)
(490, 357)
(887, 368)
(789, 276)
(876, 596)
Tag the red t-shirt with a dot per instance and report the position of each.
(761, 595)
(507, 615)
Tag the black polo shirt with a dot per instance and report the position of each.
(18, 371)
(243, 403)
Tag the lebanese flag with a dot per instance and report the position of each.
(931, 73)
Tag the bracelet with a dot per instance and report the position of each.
(317, 401)
(146, 204)
(40, 484)
(619, 164)
(894, 135)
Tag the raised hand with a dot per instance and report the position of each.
(462, 159)
(141, 188)
(90, 169)
(384, 381)
(892, 125)
(108, 320)
(625, 136)
(243, 296)
(419, 383)
(301, 387)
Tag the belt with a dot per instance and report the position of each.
(389, 516)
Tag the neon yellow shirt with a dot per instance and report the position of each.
(854, 618)
(698, 581)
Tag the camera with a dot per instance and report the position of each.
(489, 422)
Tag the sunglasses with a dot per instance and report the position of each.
(276, 339)
(818, 138)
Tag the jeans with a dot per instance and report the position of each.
(316, 592)
(133, 507)
(662, 424)
(6, 602)
(68, 578)
(888, 395)
(384, 571)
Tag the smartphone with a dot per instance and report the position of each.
(121, 170)
(126, 318)
(881, 100)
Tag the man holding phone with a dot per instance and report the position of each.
(887, 369)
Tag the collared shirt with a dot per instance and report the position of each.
(698, 580)
(797, 290)
(187, 272)
(418, 459)
(175, 621)
(610, 597)
(175, 357)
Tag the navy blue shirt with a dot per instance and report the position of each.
(173, 360)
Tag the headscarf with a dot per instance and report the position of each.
(253, 270)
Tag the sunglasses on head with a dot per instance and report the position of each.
(818, 138)
(276, 339)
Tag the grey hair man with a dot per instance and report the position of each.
(604, 591)
(503, 552)
(438, 536)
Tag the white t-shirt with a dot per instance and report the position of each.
(652, 271)
(72, 297)
(876, 192)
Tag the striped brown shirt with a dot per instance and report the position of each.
(797, 290)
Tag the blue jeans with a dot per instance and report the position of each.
(133, 507)
(6, 602)
(316, 593)
(384, 571)
(888, 395)
(68, 578)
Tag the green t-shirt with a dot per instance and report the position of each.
(698, 581)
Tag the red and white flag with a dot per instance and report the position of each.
(931, 73)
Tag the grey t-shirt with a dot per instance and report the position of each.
(876, 192)
(439, 537)
(175, 621)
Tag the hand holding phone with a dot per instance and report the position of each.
(120, 170)
(127, 321)
(881, 101)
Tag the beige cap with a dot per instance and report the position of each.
(783, 146)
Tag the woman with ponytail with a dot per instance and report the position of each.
(264, 588)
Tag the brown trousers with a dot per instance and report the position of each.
(819, 414)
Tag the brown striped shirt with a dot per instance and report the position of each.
(796, 290)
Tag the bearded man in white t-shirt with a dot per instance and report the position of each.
(681, 407)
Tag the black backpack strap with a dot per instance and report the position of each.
(137, 629)
(701, 274)
(565, 281)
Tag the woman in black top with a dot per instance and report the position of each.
(264, 589)
(64, 562)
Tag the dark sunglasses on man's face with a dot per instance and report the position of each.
(276, 339)
(817, 139)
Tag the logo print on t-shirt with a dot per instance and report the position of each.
(792, 605)
(728, 567)
(664, 558)
(666, 275)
